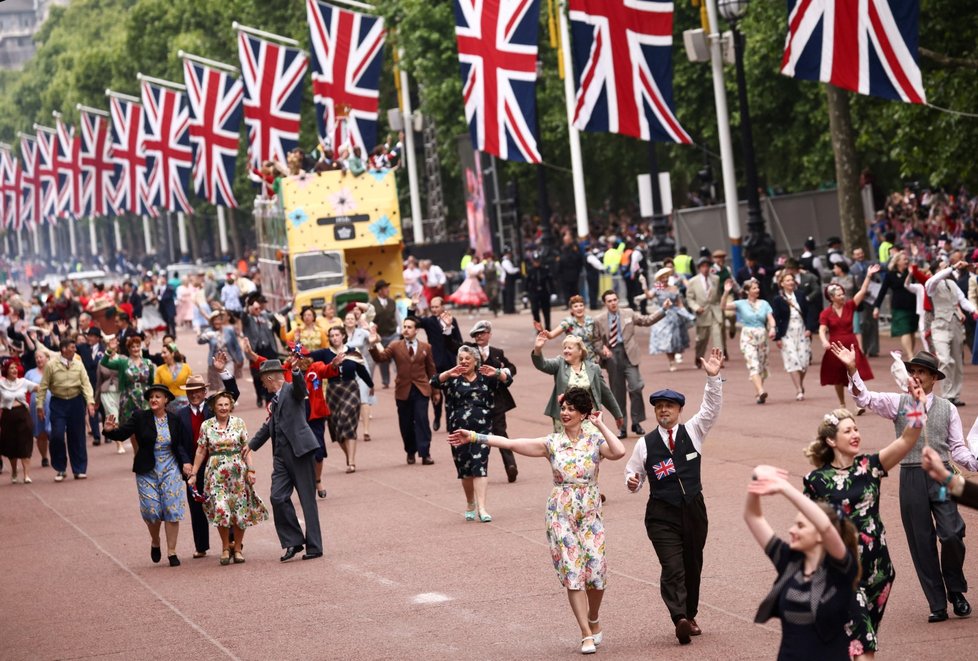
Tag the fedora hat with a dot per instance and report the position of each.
(195, 382)
(927, 360)
(380, 285)
(158, 387)
(101, 304)
(270, 367)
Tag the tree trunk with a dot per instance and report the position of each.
(846, 170)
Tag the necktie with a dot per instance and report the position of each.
(410, 350)
(613, 331)
(706, 284)
(672, 443)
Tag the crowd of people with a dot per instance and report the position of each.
(107, 360)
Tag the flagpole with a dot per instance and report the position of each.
(222, 231)
(726, 145)
(123, 97)
(118, 234)
(72, 243)
(207, 62)
(93, 236)
(182, 231)
(265, 35)
(147, 235)
(577, 162)
(53, 240)
(143, 78)
(412, 167)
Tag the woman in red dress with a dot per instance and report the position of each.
(835, 325)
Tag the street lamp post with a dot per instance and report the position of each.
(758, 243)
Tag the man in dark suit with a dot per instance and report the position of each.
(385, 318)
(191, 417)
(167, 298)
(91, 353)
(481, 334)
(293, 454)
(445, 338)
(412, 387)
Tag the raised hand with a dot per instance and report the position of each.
(767, 480)
(728, 285)
(484, 370)
(340, 357)
(873, 270)
(110, 424)
(220, 361)
(542, 338)
(846, 355)
(916, 391)
(596, 418)
(538, 327)
(459, 437)
(713, 362)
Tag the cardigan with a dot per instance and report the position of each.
(600, 392)
(143, 426)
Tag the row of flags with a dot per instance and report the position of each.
(150, 153)
(622, 56)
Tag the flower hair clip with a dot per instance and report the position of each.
(831, 419)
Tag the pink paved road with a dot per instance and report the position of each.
(405, 577)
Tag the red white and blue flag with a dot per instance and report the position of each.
(622, 52)
(98, 183)
(67, 163)
(31, 179)
(869, 47)
(45, 169)
(10, 187)
(272, 76)
(166, 142)
(215, 99)
(127, 154)
(663, 469)
(497, 54)
(347, 47)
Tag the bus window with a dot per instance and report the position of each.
(318, 269)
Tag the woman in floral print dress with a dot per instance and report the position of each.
(574, 526)
(850, 481)
(468, 388)
(136, 373)
(229, 478)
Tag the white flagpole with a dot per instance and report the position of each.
(222, 230)
(577, 163)
(147, 235)
(37, 241)
(53, 240)
(409, 155)
(265, 35)
(72, 243)
(93, 236)
(118, 234)
(182, 230)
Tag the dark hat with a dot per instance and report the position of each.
(94, 330)
(380, 285)
(927, 360)
(703, 260)
(704, 251)
(832, 240)
(481, 326)
(669, 396)
(159, 387)
(810, 243)
(270, 367)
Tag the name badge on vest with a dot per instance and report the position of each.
(691, 456)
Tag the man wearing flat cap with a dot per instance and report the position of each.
(926, 517)
(670, 457)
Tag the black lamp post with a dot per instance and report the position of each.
(758, 243)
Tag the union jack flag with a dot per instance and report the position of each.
(166, 141)
(272, 76)
(31, 179)
(131, 193)
(916, 415)
(11, 179)
(347, 48)
(67, 164)
(215, 106)
(869, 47)
(663, 469)
(45, 169)
(97, 165)
(623, 59)
(497, 53)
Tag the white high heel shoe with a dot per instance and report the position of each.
(598, 637)
(587, 645)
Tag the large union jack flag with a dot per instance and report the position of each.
(131, 194)
(67, 163)
(33, 190)
(869, 47)
(11, 180)
(623, 62)
(497, 53)
(272, 76)
(166, 141)
(96, 163)
(215, 99)
(347, 47)
(45, 170)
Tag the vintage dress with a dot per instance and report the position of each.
(134, 377)
(833, 372)
(753, 335)
(671, 335)
(231, 501)
(469, 406)
(161, 490)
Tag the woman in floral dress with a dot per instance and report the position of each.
(229, 479)
(468, 388)
(757, 325)
(574, 526)
(850, 481)
(579, 324)
(671, 335)
(135, 375)
(793, 337)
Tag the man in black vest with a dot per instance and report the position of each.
(675, 517)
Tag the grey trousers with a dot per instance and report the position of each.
(925, 520)
(291, 473)
(624, 377)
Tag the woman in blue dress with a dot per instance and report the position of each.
(671, 335)
(757, 326)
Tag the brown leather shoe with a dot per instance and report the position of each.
(694, 629)
(684, 629)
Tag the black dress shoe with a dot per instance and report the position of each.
(622, 434)
(155, 554)
(45, 463)
(312, 556)
(511, 472)
(937, 616)
(436, 425)
(427, 461)
(96, 442)
(411, 459)
(290, 553)
(637, 429)
(961, 606)
(694, 629)
(684, 629)
(174, 560)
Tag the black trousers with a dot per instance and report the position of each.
(678, 535)
(412, 418)
(593, 278)
(540, 306)
(509, 295)
(198, 520)
(869, 329)
(925, 520)
(633, 288)
(499, 429)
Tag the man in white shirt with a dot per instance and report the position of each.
(947, 330)
(511, 274)
(675, 517)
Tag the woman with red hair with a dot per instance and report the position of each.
(16, 429)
